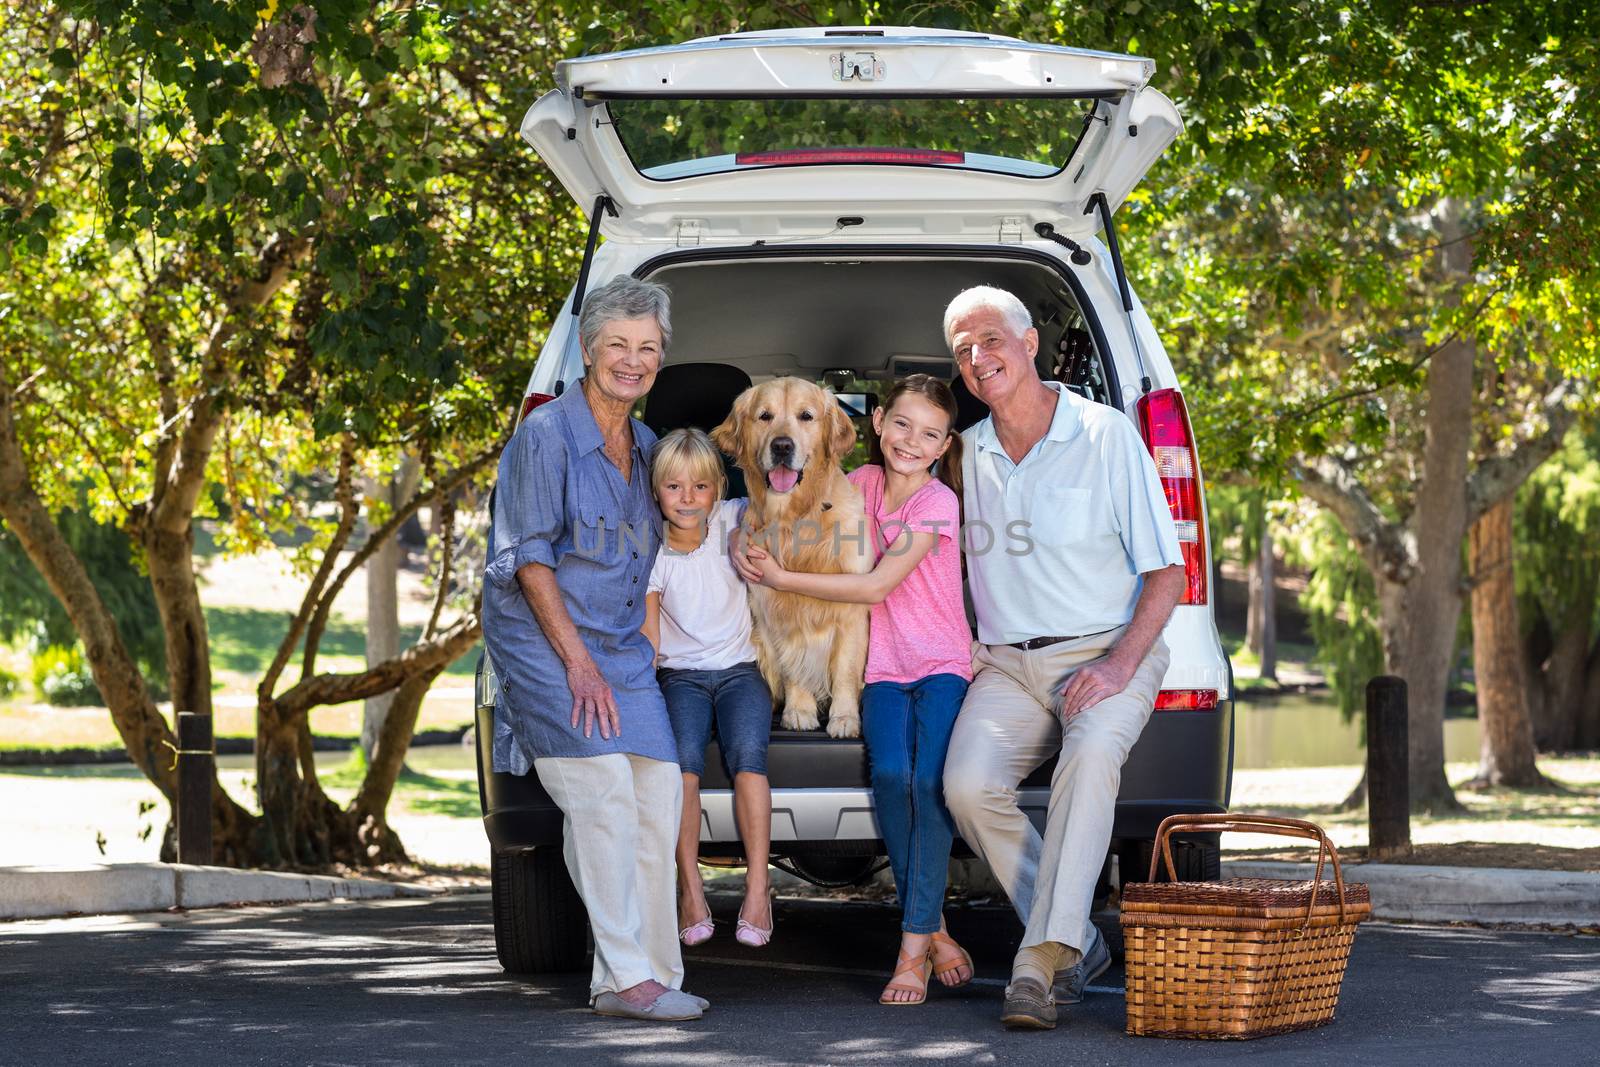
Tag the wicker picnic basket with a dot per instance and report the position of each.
(1239, 958)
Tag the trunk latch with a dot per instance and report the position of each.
(856, 66)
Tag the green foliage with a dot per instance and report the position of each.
(1341, 606)
(32, 611)
(660, 132)
(62, 678)
(185, 154)
(331, 237)
(1558, 537)
(1235, 513)
(8, 682)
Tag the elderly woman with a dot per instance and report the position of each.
(575, 535)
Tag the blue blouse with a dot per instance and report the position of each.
(560, 502)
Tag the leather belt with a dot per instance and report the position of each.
(1041, 642)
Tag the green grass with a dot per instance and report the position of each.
(244, 640)
(415, 791)
(1567, 816)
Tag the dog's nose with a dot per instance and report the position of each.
(782, 448)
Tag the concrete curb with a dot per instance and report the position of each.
(99, 889)
(1414, 893)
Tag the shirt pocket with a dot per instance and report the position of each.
(1058, 516)
(599, 525)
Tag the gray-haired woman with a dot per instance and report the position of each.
(575, 534)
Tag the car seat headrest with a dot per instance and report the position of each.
(693, 394)
(969, 409)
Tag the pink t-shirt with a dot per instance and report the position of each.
(920, 629)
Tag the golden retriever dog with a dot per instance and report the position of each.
(788, 435)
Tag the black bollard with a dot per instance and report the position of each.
(196, 772)
(1388, 769)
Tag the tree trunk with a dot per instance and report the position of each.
(1421, 615)
(383, 599)
(301, 826)
(1537, 646)
(1261, 625)
(1503, 719)
(387, 763)
(145, 734)
(383, 630)
(1418, 624)
(299, 823)
(1589, 704)
(142, 729)
(171, 560)
(1562, 682)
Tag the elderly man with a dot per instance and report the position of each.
(1070, 655)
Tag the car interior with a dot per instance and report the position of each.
(867, 320)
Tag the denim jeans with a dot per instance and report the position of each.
(907, 727)
(736, 699)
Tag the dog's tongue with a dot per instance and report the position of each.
(782, 479)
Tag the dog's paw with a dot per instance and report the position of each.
(844, 726)
(798, 719)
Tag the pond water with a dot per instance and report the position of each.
(1306, 730)
(1295, 730)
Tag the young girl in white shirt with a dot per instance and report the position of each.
(697, 616)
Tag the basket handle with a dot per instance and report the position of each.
(1263, 824)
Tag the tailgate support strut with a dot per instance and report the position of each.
(602, 205)
(1098, 202)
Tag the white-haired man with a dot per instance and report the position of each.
(1070, 655)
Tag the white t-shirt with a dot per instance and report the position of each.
(1056, 544)
(705, 612)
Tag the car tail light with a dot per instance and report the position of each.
(1187, 700)
(790, 157)
(1165, 424)
(533, 400)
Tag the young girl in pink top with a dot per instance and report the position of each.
(918, 659)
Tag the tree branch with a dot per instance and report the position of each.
(324, 689)
(89, 446)
(344, 492)
(449, 483)
(143, 731)
(1306, 411)
(445, 510)
(1387, 546)
(174, 500)
(1499, 476)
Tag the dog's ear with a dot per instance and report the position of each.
(727, 436)
(841, 431)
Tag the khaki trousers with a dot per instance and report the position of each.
(618, 838)
(1009, 724)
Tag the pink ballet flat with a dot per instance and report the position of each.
(751, 935)
(697, 933)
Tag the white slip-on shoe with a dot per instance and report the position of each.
(670, 1007)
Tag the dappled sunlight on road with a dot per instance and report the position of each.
(416, 981)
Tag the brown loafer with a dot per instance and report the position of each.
(1029, 1006)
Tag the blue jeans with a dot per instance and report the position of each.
(907, 727)
(737, 699)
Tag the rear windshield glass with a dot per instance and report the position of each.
(668, 139)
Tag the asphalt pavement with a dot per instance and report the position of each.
(416, 982)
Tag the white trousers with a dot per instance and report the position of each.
(1010, 723)
(618, 837)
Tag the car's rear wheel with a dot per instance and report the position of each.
(540, 924)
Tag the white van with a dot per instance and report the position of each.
(813, 198)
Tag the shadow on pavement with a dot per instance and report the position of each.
(417, 982)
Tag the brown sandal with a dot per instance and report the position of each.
(939, 938)
(908, 964)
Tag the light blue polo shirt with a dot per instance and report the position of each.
(1055, 544)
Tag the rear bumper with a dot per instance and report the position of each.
(820, 799)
